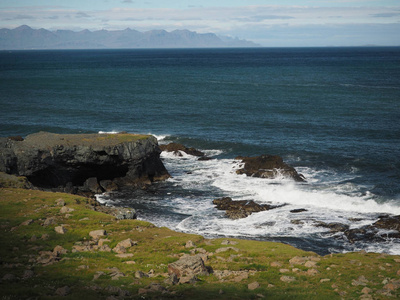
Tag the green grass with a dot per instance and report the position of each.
(157, 247)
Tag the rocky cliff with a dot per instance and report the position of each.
(83, 163)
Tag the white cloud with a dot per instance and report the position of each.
(287, 23)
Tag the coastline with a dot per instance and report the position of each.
(65, 245)
(49, 249)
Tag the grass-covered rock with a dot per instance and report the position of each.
(55, 245)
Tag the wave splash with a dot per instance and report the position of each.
(184, 203)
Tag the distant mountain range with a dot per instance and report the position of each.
(24, 37)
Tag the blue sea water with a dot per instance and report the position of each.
(332, 113)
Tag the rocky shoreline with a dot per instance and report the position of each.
(88, 164)
(61, 245)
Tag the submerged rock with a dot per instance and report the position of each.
(389, 223)
(241, 208)
(178, 148)
(83, 163)
(386, 228)
(268, 166)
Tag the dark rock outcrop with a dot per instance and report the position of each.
(388, 223)
(241, 208)
(267, 166)
(83, 163)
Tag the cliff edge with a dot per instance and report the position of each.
(83, 163)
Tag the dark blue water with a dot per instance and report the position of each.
(334, 113)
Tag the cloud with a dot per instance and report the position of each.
(81, 15)
(325, 35)
(21, 17)
(263, 18)
(385, 15)
(278, 24)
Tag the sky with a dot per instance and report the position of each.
(283, 23)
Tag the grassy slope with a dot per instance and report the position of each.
(20, 246)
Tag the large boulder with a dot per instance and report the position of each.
(188, 265)
(267, 166)
(79, 162)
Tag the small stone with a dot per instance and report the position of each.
(297, 260)
(98, 274)
(287, 279)
(191, 279)
(276, 264)
(228, 242)
(366, 290)
(58, 250)
(116, 273)
(140, 274)
(310, 264)
(127, 243)
(119, 249)
(260, 296)
(66, 209)
(124, 255)
(190, 244)
(63, 291)
(130, 262)
(241, 277)
(360, 281)
(28, 274)
(45, 237)
(312, 272)
(324, 280)
(102, 241)
(96, 234)
(60, 202)
(284, 270)
(104, 248)
(188, 265)
(226, 249)
(82, 267)
(392, 286)
(252, 286)
(27, 222)
(49, 221)
(60, 229)
(296, 270)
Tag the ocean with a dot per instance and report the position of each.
(332, 113)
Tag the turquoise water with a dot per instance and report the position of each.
(333, 113)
